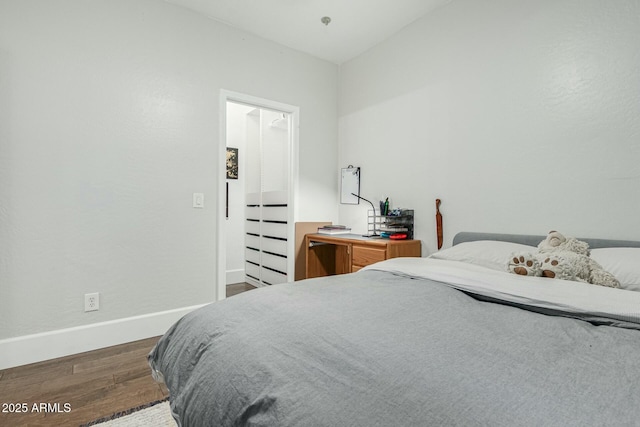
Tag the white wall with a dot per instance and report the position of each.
(109, 122)
(234, 224)
(521, 116)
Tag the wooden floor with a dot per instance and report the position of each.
(238, 288)
(76, 389)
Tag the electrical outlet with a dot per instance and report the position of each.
(92, 302)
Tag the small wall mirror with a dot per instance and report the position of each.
(350, 183)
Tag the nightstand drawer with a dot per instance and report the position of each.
(365, 255)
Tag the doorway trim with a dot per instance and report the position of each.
(220, 238)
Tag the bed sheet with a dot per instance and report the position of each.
(381, 348)
(596, 304)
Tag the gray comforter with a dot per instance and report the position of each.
(377, 349)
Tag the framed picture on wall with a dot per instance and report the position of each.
(232, 163)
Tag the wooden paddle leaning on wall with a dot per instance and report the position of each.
(438, 223)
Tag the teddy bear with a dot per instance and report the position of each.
(564, 258)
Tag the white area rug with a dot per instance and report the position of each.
(158, 415)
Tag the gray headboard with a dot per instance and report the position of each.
(532, 240)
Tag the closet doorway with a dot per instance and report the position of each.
(257, 215)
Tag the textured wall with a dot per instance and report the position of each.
(521, 116)
(109, 122)
(234, 224)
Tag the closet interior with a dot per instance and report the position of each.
(262, 188)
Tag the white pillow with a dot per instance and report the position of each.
(624, 263)
(486, 253)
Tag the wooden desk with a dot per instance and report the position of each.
(327, 255)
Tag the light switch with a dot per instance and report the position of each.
(198, 200)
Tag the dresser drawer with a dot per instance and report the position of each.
(366, 255)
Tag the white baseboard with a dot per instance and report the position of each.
(235, 276)
(64, 342)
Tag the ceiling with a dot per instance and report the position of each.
(356, 25)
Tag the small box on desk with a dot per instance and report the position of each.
(334, 229)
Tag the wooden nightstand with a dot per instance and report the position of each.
(327, 255)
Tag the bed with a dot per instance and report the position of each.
(448, 340)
